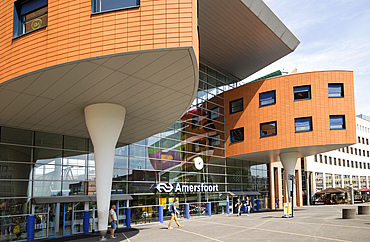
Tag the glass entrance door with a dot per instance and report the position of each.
(67, 215)
(78, 217)
(51, 221)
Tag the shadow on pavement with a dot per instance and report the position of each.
(129, 232)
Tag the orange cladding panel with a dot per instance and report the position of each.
(73, 33)
(319, 107)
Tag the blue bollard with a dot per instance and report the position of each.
(30, 228)
(243, 206)
(258, 205)
(86, 222)
(128, 218)
(227, 207)
(209, 210)
(187, 211)
(161, 214)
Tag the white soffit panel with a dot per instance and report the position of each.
(241, 37)
(155, 86)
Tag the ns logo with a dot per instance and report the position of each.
(164, 187)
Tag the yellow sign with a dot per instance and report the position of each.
(287, 209)
(36, 23)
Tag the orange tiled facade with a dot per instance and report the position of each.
(284, 112)
(74, 33)
(320, 106)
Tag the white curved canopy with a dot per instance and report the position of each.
(155, 86)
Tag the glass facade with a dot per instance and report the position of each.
(37, 164)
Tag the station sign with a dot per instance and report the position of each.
(169, 187)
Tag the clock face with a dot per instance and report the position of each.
(198, 162)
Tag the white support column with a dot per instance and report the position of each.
(104, 122)
(289, 161)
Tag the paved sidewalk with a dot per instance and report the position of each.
(314, 223)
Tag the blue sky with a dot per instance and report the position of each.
(334, 35)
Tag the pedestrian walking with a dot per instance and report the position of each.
(113, 221)
(239, 206)
(248, 206)
(276, 203)
(173, 210)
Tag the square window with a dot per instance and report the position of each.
(236, 135)
(268, 129)
(214, 140)
(302, 93)
(337, 122)
(29, 16)
(236, 106)
(99, 6)
(267, 98)
(303, 124)
(335, 90)
(213, 113)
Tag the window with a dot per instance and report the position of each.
(236, 106)
(303, 124)
(236, 135)
(315, 158)
(29, 16)
(337, 122)
(268, 129)
(355, 151)
(347, 149)
(348, 163)
(98, 6)
(194, 122)
(359, 139)
(351, 150)
(335, 90)
(326, 159)
(367, 141)
(363, 140)
(214, 140)
(213, 113)
(267, 98)
(339, 164)
(302, 93)
(330, 161)
(367, 153)
(320, 158)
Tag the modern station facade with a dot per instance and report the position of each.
(176, 67)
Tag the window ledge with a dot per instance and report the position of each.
(116, 9)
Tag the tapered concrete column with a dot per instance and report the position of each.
(289, 161)
(104, 122)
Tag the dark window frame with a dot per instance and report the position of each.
(22, 8)
(214, 111)
(96, 6)
(268, 135)
(336, 126)
(214, 140)
(297, 91)
(332, 94)
(301, 119)
(240, 130)
(265, 93)
(236, 101)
